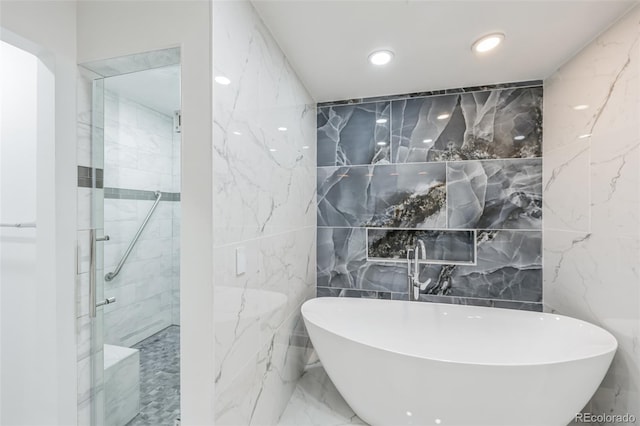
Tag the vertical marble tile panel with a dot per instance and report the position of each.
(354, 134)
(470, 126)
(406, 195)
(498, 194)
(567, 167)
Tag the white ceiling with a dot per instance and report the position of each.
(157, 88)
(328, 41)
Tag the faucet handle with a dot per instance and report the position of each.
(424, 285)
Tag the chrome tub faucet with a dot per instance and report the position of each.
(419, 252)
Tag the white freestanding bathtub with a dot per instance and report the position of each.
(413, 363)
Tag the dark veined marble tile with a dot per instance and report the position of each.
(396, 195)
(492, 303)
(340, 254)
(495, 194)
(492, 124)
(354, 134)
(483, 88)
(336, 292)
(509, 267)
(442, 246)
(342, 263)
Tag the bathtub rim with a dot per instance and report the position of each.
(608, 334)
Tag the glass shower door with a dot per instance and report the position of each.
(96, 298)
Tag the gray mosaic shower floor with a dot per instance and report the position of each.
(159, 379)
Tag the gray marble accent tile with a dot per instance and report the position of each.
(134, 63)
(342, 263)
(442, 246)
(492, 303)
(343, 292)
(396, 195)
(354, 134)
(496, 194)
(471, 126)
(530, 83)
(509, 267)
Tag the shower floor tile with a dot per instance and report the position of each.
(159, 379)
(316, 402)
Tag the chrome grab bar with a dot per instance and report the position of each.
(18, 225)
(111, 275)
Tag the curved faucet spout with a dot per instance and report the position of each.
(415, 285)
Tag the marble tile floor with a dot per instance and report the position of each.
(316, 402)
(159, 379)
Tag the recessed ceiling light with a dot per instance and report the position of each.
(220, 79)
(237, 133)
(381, 120)
(586, 135)
(282, 129)
(580, 107)
(518, 138)
(443, 116)
(487, 43)
(272, 149)
(381, 57)
(382, 143)
(427, 140)
(305, 147)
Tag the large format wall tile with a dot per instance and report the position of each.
(353, 134)
(403, 195)
(592, 196)
(264, 157)
(469, 126)
(498, 194)
(509, 267)
(465, 170)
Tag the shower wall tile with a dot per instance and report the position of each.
(403, 195)
(592, 187)
(354, 134)
(470, 126)
(441, 246)
(495, 194)
(264, 156)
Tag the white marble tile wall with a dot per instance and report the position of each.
(264, 203)
(592, 201)
(138, 144)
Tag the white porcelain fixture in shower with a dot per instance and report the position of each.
(405, 363)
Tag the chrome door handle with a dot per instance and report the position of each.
(92, 270)
(106, 301)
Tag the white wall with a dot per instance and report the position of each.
(47, 29)
(20, 367)
(264, 203)
(143, 26)
(592, 201)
